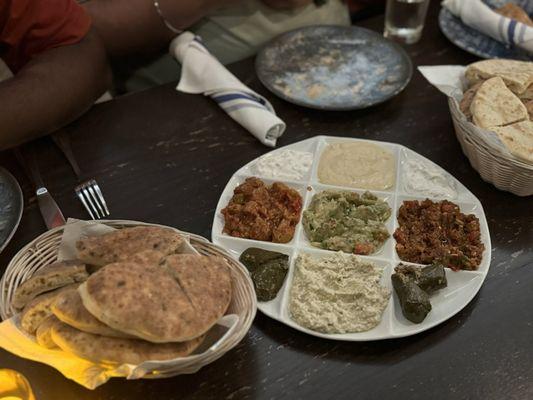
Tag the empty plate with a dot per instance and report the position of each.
(11, 206)
(333, 67)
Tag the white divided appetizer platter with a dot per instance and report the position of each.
(462, 285)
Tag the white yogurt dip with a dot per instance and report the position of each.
(422, 178)
(284, 165)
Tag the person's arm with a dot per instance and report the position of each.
(51, 90)
(134, 26)
(286, 4)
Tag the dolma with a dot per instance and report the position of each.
(413, 300)
(268, 270)
(430, 278)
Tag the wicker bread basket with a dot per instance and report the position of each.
(504, 172)
(43, 250)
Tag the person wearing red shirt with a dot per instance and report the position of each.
(58, 65)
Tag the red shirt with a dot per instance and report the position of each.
(29, 27)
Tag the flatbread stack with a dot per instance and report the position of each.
(147, 301)
(499, 98)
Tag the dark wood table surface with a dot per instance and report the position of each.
(164, 157)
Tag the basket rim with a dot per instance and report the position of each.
(468, 128)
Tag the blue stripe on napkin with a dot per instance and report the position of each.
(237, 107)
(510, 31)
(236, 96)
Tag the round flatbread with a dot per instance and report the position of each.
(207, 283)
(517, 75)
(174, 303)
(50, 277)
(495, 105)
(40, 308)
(43, 335)
(123, 243)
(102, 349)
(68, 308)
(518, 138)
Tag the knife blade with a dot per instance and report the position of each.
(52, 215)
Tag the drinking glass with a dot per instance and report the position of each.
(14, 386)
(404, 20)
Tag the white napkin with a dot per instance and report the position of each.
(481, 17)
(86, 373)
(203, 73)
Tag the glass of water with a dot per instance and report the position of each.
(404, 20)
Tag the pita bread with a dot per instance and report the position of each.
(514, 11)
(174, 303)
(466, 101)
(121, 244)
(495, 105)
(43, 335)
(527, 95)
(48, 278)
(68, 308)
(529, 108)
(39, 309)
(517, 75)
(101, 349)
(518, 138)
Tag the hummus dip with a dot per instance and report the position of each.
(337, 293)
(357, 165)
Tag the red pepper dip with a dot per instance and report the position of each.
(261, 212)
(431, 232)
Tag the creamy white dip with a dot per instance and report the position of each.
(420, 177)
(285, 164)
(337, 293)
(358, 165)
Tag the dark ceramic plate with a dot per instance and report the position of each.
(11, 206)
(477, 43)
(333, 67)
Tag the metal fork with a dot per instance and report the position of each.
(88, 192)
(92, 198)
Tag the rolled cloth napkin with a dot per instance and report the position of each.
(481, 17)
(203, 73)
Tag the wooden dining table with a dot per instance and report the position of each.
(164, 157)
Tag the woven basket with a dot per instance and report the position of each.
(43, 250)
(503, 172)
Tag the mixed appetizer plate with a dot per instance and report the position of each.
(477, 43)
(333, 67)
(352, 297)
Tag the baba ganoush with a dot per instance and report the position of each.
(337, 293)
(347, 221)
(268, 270)
(260, 212)
(358, 165)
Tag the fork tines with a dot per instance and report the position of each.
(92, 198)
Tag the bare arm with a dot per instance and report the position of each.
(133, 26)
(53, 89)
